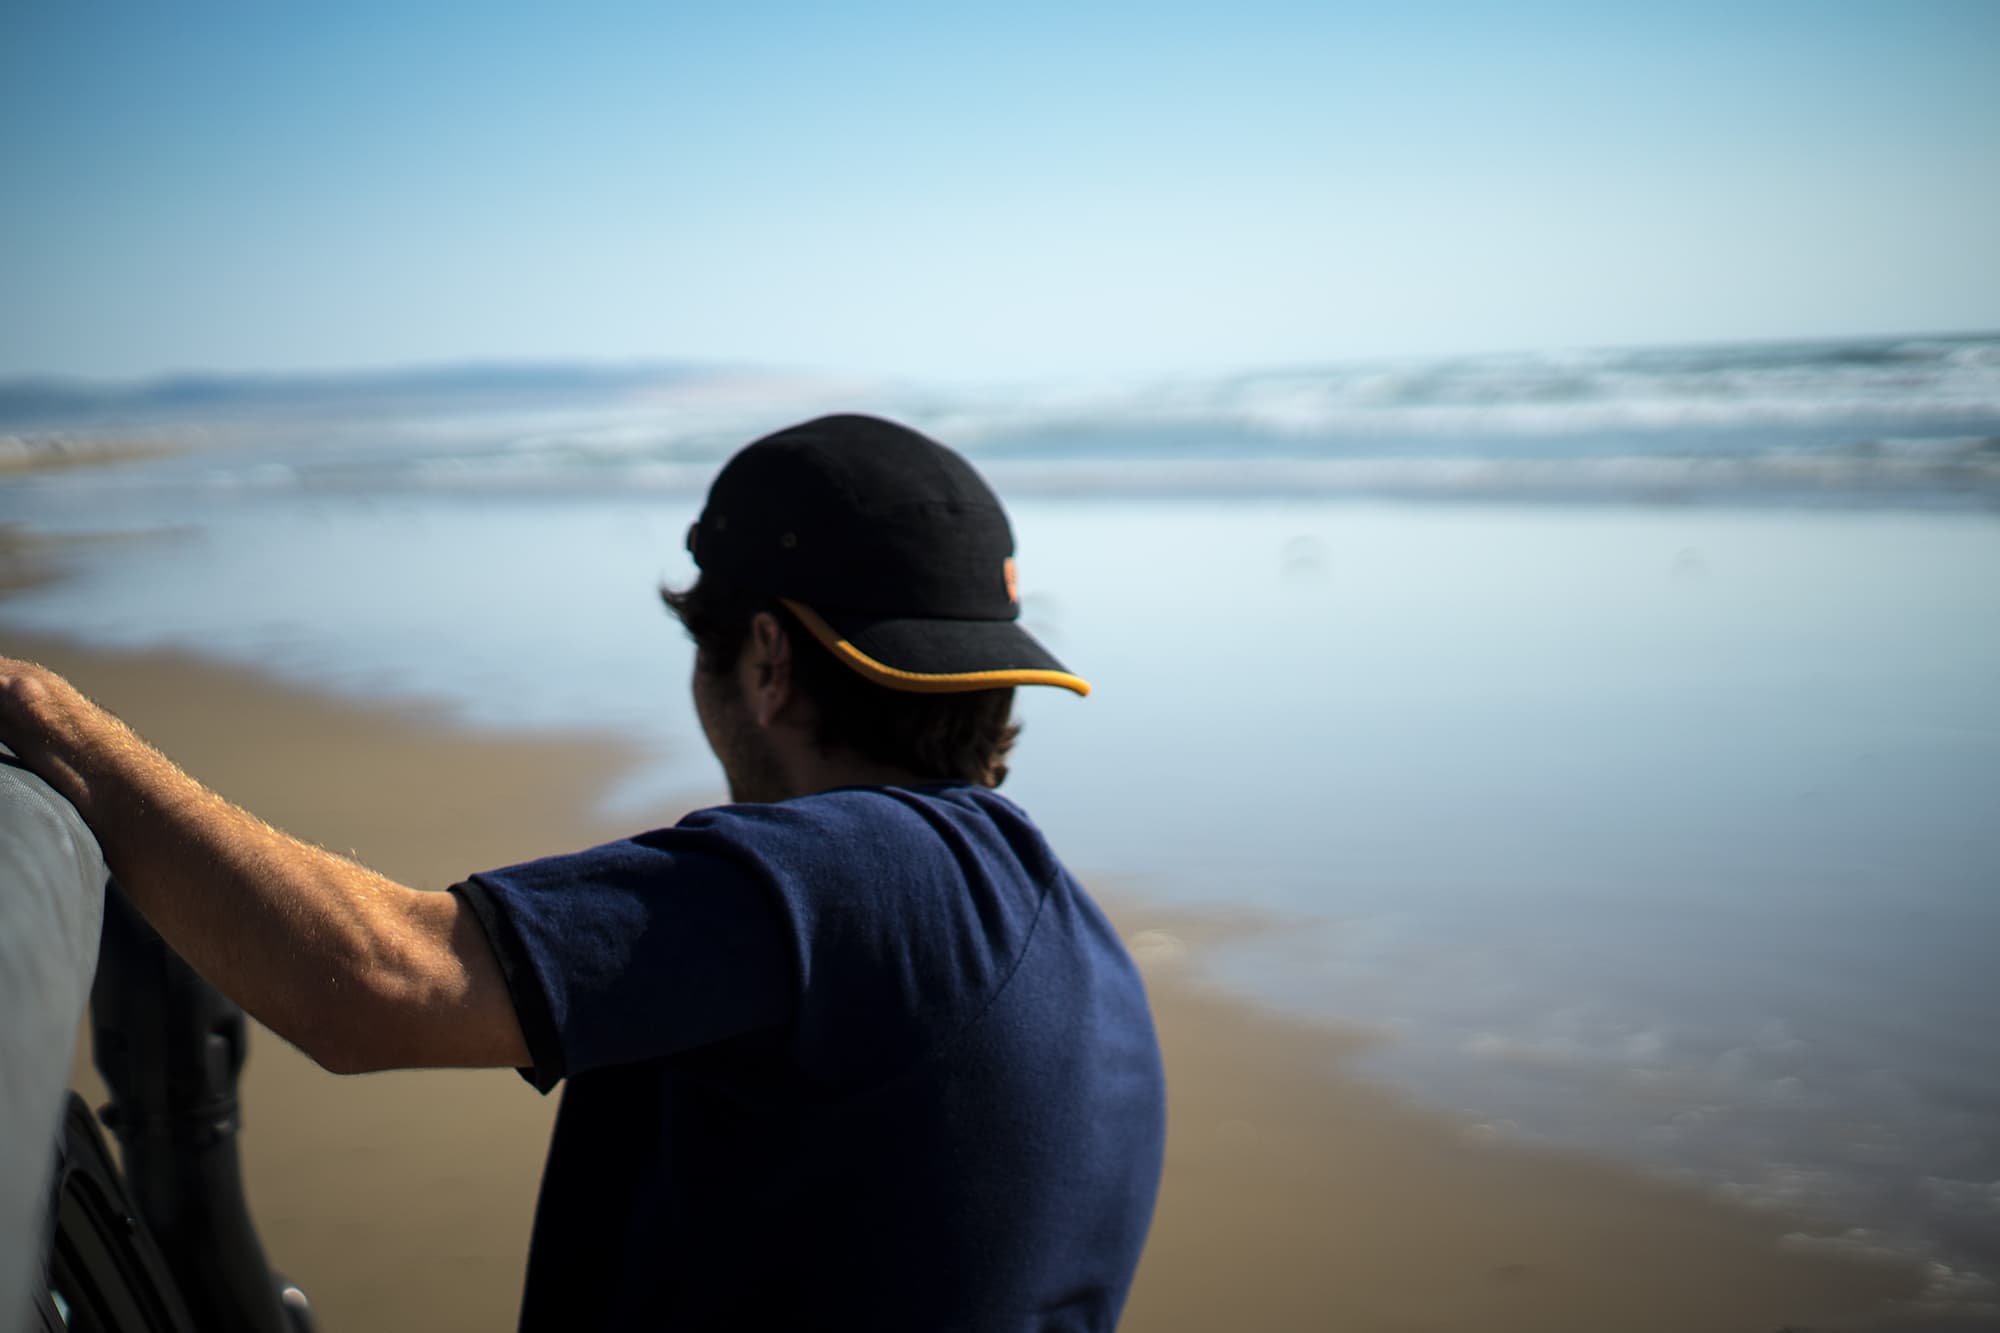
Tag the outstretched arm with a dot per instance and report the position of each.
(356, 970)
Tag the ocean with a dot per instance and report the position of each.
(1615, 733)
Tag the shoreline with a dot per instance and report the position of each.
(1296, 1195)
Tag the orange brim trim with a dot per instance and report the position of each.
(926, 682)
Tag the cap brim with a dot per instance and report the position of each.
(937, 656)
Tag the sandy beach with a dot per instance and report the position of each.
(1296, 1196)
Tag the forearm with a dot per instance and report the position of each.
(327, 953)
(306, 941)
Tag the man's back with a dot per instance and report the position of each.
(864, 1058)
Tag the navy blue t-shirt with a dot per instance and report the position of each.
(869, 1058)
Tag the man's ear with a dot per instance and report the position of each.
(768, 662)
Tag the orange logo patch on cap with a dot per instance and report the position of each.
(1013, 581)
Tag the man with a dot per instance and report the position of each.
(854, 1051)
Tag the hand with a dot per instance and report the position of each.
(45, 721)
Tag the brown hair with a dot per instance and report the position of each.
(947, 737)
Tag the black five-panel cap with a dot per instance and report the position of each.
(888, 548)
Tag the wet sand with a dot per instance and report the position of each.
(1296, 1195)
(59, 450)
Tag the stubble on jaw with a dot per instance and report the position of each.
(752, 768)
(749, 759)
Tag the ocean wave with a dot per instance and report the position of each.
(1551, 393)
(1887, 420)
(1927, 470)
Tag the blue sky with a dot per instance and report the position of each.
(982, 192)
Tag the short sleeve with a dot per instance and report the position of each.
(634, 950)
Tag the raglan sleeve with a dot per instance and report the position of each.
(635, 950)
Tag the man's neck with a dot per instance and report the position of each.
(811, 771)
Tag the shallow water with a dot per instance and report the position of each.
(1665, 831)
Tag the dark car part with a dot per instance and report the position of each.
(105, 1274)
(171, 1048)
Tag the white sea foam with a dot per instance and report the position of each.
(1561, 393)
